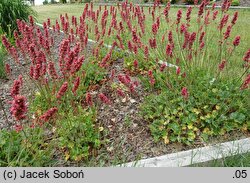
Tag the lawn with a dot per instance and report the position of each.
(85, 104)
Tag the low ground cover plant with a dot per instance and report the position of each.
(184, 63)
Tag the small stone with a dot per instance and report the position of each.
(113, 119)
(132, 100)
(110, 149)
(135, 125)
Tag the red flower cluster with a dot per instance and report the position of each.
(76, 85)
(236, 41)
(8, 69)
(89, 99)
(120, 92)
(48, 114)
(246, 58)
(184, 93)
(235, 18)
(222, 65)
(62, 90)
(19, 107)
(179, 15)
(104, 99)
(15, 90)
(246, 83)
(228, 31)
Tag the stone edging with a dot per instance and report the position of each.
(193, 156)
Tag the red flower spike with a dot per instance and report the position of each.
(76, 85)
(135, 63)
(236, 41)
(104, 99)
(120, 92)
(48, 114)
(19, 107)
(18, 128)
(188, 14)
(178, 70)
(62, 90)
(15, 90)
(163, 66)
(8, 69)
(89, 99)
(246, 58)
(228, 31)
(235, 18)
(179, 15)
(184, 93)
(222, 65)
(246, 83)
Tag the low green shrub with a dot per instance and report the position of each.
(213, 108)
(78, 135)
(26, 148)
(45, 2)
(235, 2)
(12, 10)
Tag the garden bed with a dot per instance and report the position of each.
(123, 116)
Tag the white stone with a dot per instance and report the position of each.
(199, 155)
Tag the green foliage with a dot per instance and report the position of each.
(211, 110)
(12, 10)
(174, 1)
(235, 2)
(45, 2)
(191, 1)
(2, 70)
(24, 149)
(78, 135)
(63, 1)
